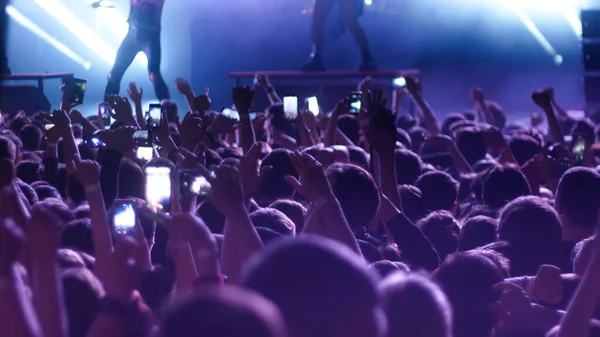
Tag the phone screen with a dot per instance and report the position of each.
(124, 219)
(253, 115)
(578, 150)
(93, 142)
(48, 126)
(193, 182)
(158, 186)
(154, 115)
(355, 102)
(313, 105)
(141, 138)
(399, 82)
(145, 153)
(105, 114)
(77, 90)
(290, 107)
(231, 114)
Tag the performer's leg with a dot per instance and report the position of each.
(152, 50)
(351, 10)
(125, 55)
(319, 19)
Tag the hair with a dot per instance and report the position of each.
(524, 147)
(31, 136)
(415, 307)
(68, 258)
(273, 219)
(224, 311)
(82, 293)
(533, 231)
(8, 150)
(501, 184)
(578, 196)
(27, 192)
(275, 186)
(77, 234)
(58, 208)
(294, 210)
(442, 231)
(82, 211)
(46, 191)
(359, 157)
(386, 267)
(132, 180)
(468, 281)
(451, 119)
(476, 232)
(317, 284)
(408, 166)
(418, 135)
(356, 191)
(28, 171)
(471, 144)
(439, 191)
(404, 138)
(268, 236)
(350, 127)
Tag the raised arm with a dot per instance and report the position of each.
(242, 98)
(415, 89)
(544, 101)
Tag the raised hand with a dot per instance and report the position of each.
(202, 102)
(43, 232)
(222, 124)
(364, 84)
(120, 109)
(185, 226)
(438, 141)
(550, 92)
(494, 138)
(477, 94)
(190, 160)
(192, 130)
(376, 102)
(313, 184)
(413, 85)
(121, 272)
(227, 192)
(135, 94)
(77, 117)
(251, 175)
(262, 80)
(120, 139)
(87, 172)
(183, 86)
(542, 99)
(242, 98)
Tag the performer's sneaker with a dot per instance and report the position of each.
(314, 64)
(368, 65)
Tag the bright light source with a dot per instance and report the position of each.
(368, 2)
(62, 14)
(25, 22)
(558, 59)
(399, 82)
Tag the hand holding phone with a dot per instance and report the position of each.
(104, 111)
(154, 116)
(93, 141)
(290, 107)
(158, 186)
(142, 138)
(124, 218)
(144, 153)
(313, 105)
(74, 90)
(578, 150)
(355, 102)
(193, 182)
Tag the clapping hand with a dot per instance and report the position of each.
(313, 184)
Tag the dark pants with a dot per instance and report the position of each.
(136, 41)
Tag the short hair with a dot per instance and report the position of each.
(28, 192)
(132, 180)
(273, 219)
(441, 229)
(523, 147)
(170, 107)
(533, 231)
(471, 144)
(468, 281)
(370, 252)
(350, 127)
(8, 150)
(578, 196)
(68, 258)
(451, 119)
(432, 316)
(404, 138)
(439, 191)
(47, 191)
(294, 210)
(412, 203)
(408, 166)
(224, 311)
(82, 211)
(275, 186)
(313, 281)
(82, 293)
(358, 156)
(31, 136)
(77, 234)
(28, 171)
(387, 267)
(268, 236)
(501, 184)
(356, 191)
(476, 232)
(58, 208)
(418, 135)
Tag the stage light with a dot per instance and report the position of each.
(14, 14)
(62, 14)
(368, 2)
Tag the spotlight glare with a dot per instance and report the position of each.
(368, 2)
(87, 65)
(63, 15)
(13, 13)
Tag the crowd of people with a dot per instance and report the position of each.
(331, 224)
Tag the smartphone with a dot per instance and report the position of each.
(158, 186)
(355, 102)
(105, 115)
(124, 218)
(144, 153)
(141, 138)
(399, 82)
(154, 116)
(76, 87)
(193, 182)
(313, 105)
(93, 141)
(48, 126)
(231, 114)
(290, 107)
(578, 150)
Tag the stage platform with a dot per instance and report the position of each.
(26, 97)
(328, 86)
